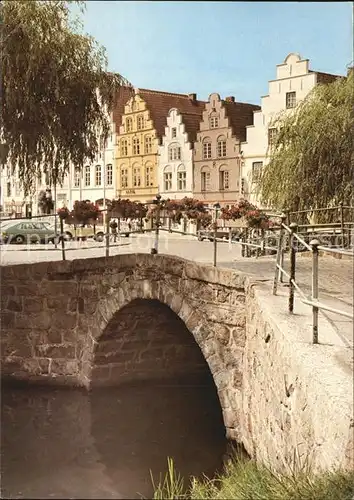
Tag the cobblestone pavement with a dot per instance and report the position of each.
(335, 276)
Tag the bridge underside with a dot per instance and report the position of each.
(146, 340)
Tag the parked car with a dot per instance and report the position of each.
(209, 234)
(28, 232)
(83, 233)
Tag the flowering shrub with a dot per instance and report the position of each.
(257, 219)
(84, 212)
(254, 217)
(64, 213)
(126, 209)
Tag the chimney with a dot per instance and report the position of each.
(192, 97)
(231, 98)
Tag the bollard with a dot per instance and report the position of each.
(107, 236)
(314, 244)
(293, 227)
(62, 238)
(215, 244)
(342, 222)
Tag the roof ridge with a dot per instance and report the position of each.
(163, 92)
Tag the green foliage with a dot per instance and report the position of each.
(245, 480)
(55, 90)
(311, 160)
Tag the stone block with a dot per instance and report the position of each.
(14, 304)
(54, 288)
(63, 320)
(33, 304)
(37, 366)
(64, 367)
(64, 351)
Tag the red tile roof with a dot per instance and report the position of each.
(122, 96)
(240, 115)
(192, 122)
(159, 104)
(326, 77)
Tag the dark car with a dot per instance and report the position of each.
(28, 232)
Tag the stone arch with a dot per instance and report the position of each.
(154, 290)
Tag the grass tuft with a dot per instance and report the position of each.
(245, 480)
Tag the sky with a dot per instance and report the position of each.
(227, 47)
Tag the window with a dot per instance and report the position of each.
(136, 146)
(167, 179)
(221, 148)
(77, 177)
(181, 178)
(98, 175)
(173, 132)
(290, 100)
(214, 122)
(206, 148)
(148, 144)
(17, 189)
(109, 175)
(205, 180)
(124, 147)
(256, 170)
(136, 177)
(149, 181)
(8, 189)
(129, 125)
(124, 177)
(174, 152)
(140, 122)
(87, 175)
(271, 136)
(223, 180)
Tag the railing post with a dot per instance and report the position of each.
(314, 244)
(278, 274)
(216, 207)
(293, 227)
(263, 252)
(342, 222)
(107, 235)
(243, 247)
(62, 238)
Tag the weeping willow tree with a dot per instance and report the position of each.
(55, 90)
(311, 162)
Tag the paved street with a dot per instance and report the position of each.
(335, 276)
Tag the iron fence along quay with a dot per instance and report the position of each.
(288, 238)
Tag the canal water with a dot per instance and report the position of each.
(67, 443)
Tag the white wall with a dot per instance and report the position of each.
(175, 120)
(66, 194)
(291, 76)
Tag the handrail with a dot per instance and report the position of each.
(334, 250)
(314, 247)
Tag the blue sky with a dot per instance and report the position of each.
(227, 47)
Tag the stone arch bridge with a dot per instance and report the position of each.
(118, 319)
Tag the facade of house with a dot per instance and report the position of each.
(140, 135)
(294, 80)
(217, 174)
(175, 160)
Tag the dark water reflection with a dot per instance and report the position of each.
(61, 443)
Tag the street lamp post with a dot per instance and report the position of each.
(157, 202)
(216, 208)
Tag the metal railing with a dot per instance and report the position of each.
(314, 248)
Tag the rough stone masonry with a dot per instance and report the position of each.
(66, 323)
